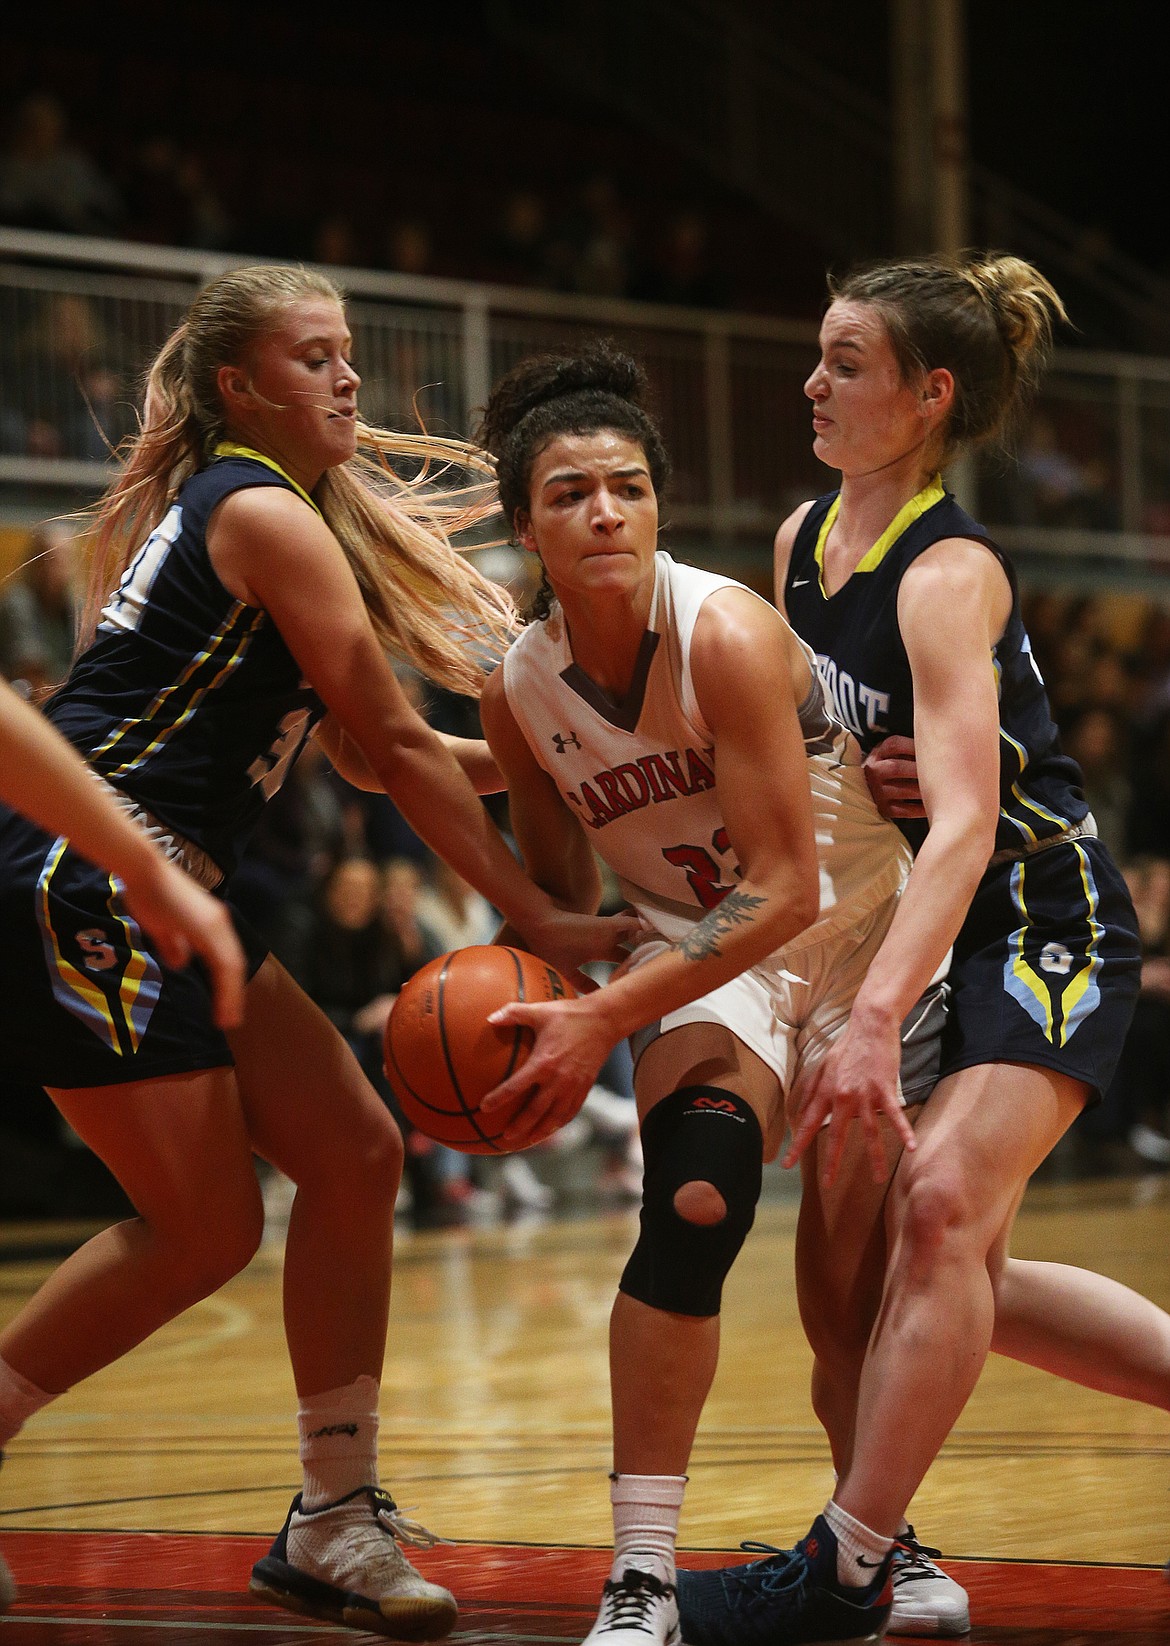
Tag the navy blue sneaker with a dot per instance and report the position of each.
(342, 1563)
(790, 1598)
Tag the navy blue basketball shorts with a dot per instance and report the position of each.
(1047, 967)
(85, 998)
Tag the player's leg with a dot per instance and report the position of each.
(840, 1267)
(840, 1270)
(178, 1147)
(983, 1133)
(311, 1112)
(705, 1101)
(1084, 1327)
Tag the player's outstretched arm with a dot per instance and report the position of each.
(269, 549)
(43, 777)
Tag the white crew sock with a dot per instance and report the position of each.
(19, 1399)
(339, 1442)
(859, 1550)
(645, 1523)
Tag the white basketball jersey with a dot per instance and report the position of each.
(640, 775)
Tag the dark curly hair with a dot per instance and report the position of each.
(546, 395)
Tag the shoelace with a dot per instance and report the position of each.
(762, 1580)
(918, 1556)
(629, 1602)
(394, 1520)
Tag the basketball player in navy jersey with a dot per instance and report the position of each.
(914, 615)
(42, 776)
(250, 575)
(668, 720)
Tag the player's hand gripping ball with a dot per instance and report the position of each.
(443, 1056)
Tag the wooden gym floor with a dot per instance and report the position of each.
(131, 1510)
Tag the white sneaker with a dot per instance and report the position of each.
(926, 1600)
(7, 1587)
(342, 1563)
(637, 1610)
(522, 1186)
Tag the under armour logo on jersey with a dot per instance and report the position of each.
(563, 741)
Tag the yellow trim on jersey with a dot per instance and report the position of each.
(1025, 800)
(95, 1009)
(1021, 968)
(229, 448)
(1080, 984)
(137, 969)
(242, 642)
(930, 494)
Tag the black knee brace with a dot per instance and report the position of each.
(697, 1134)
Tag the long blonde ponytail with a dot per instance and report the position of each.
(428, 604)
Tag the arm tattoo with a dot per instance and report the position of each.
(737, 909)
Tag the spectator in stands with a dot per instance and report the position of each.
(38, 613)
(1097, 737)
(591, 250)
(1136, 1108)
(456, 913)
(61, 391)
(410, 247)
(336, 243)
(47, 182)
(1149, 815)
(520, 248)
(349, 961)
(169, 200)
(416, 942)
(683, 270)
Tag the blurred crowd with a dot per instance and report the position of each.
(588, 238)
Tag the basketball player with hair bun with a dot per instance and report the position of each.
(669, 721)
(913, 612)
(257, 556)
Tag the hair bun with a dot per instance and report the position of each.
(599, 367)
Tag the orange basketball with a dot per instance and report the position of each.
(443, 1056)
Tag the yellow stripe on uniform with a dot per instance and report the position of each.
(222, 636)
(1028, 983)
(229, 448)
(1081, 996)
(73, 989)
(930, 494)
(1034, 806)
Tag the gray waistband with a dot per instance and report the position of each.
(1086, 829)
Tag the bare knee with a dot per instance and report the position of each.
(361, 1161)
(933, 1217)
(700, 1203)
(212, 1238)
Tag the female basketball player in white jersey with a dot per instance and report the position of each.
(914, 615)
(669, 720)
(251, 574)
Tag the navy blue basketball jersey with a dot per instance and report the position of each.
(859, 648)
(187, 700)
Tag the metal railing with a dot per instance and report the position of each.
(1088, 495)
